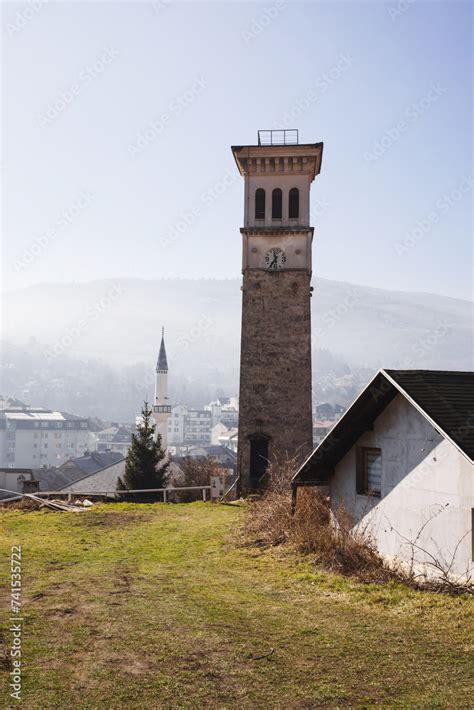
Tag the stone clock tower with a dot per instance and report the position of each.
(275, 409)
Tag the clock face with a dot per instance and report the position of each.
(275, 259)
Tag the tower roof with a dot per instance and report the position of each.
(162, 363)
(287, 157)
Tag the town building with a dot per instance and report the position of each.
(116, 437)
(197, 427)
(216, 431)
(330, 412)
(224, 410)
(400, 460)
(321, 429)
(176, 425)
(201, 427)
(229, 439)
(275, 401)
(31, 437)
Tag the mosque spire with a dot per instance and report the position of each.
(162, 363)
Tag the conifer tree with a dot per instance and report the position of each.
(147, 463)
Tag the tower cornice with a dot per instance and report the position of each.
(300, 159)
(275, 231)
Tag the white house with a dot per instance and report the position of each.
(401, 461)
(217, 430)
(229, 439)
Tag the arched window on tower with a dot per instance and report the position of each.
(260, 203)
(277, 203)
(294, 203)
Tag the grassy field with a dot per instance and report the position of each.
(153, 606)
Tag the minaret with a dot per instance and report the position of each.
(161, 408)
(275, 408)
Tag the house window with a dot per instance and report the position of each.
(277, 202)
(260, 203)
(294, 203)
(369, 471)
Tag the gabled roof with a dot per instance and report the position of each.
(444, 398)
(118, 465)
(94, 461)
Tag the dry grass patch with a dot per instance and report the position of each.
(328, 536)
(162, 612)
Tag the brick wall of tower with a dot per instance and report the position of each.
(275, 368)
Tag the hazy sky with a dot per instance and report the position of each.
(118, 120)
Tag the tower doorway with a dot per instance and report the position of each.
(258, 459)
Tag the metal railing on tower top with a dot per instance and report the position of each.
(285, 136)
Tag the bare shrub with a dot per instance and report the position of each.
(197, 472)
(329, 536)
(314, 529)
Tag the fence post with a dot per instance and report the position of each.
(164, 496)
(204, 494)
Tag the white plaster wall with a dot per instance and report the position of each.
(422, 474)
